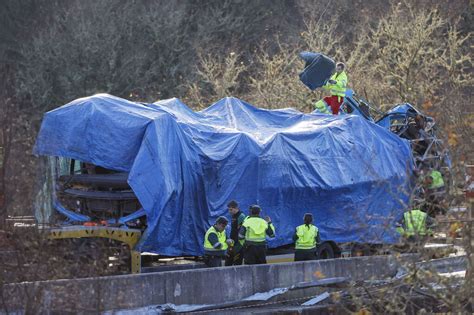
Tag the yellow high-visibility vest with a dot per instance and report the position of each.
(255, 229)
(306, 236)
(338, 89)
(322, 107)
(438, 181)
(415, 222)
(220, 236)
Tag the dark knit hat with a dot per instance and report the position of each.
(222, 220)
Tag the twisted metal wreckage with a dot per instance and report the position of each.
(155, 176)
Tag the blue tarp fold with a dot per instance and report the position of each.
(184, 166)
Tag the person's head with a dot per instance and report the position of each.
(308, 218)
(428, 179)
(221, 223)
(416, 204)
(425, 168)
(420, 122)
(340, 67)
(233, 207)
(255, 210)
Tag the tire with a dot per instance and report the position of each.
(326, 251)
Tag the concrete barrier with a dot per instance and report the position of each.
(201, 286)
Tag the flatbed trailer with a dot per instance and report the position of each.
(124, 235)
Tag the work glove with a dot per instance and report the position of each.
(332, 81)
(230, 242)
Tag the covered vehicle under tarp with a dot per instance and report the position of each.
(184, 166)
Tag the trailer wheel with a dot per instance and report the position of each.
(326, 251)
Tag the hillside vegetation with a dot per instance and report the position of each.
(52, 52)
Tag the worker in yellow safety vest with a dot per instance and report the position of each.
(306, 238)
(435, 192)
(435, 180)
(415, 225)
(254, 231)
(216, 243)
(336, 85)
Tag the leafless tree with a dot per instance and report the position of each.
(52, 52)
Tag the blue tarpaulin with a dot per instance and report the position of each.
(184, 166)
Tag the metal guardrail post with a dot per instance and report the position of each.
(136, 261)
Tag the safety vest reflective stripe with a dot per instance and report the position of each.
(306, 236)
(415, 222)
(255, 239)
(220, 236)
(438, 181)
(255, 229)
(338, 89)
(242, 242)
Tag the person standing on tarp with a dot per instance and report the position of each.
(216, 243)
(254, 231)
(306, 238)
(235, 254)
(336, 85)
